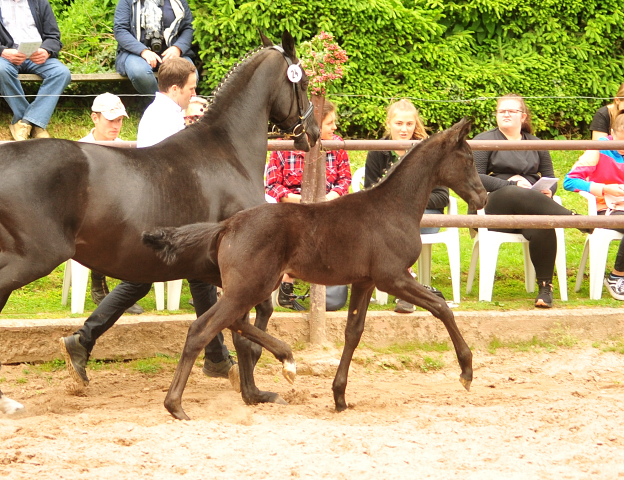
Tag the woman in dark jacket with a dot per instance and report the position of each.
(509, 176)
(403, 123)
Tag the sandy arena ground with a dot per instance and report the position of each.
(546, 415)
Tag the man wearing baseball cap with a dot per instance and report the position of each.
(107, 114)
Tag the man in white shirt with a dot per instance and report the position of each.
(107, 114)
(163, 118)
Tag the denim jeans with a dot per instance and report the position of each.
(56, 77)
(142, 75)
(127, 294)
(431, 229)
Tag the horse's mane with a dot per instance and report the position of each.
(413, 148)
(233, 69)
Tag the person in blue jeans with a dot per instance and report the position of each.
(27, 21)
(149, 33)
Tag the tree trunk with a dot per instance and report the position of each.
(313, 191)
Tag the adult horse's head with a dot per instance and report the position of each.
(456, 169)
(292, 110)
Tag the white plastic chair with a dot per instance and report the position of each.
(357, 179)
(490, 241)
(77, 276)
(596, 247)
(450, 237)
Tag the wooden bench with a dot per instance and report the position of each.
(78, 77)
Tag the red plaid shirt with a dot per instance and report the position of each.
(285, 170)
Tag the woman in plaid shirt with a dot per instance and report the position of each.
(284, 174)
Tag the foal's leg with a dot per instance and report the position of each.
(8, 406)
(360, 298)
(406, 288)
(201, 331)
(256, 333)
(249, 352)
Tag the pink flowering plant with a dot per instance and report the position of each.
(323, 61)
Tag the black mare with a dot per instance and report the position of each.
(367, 239)
(61, 199)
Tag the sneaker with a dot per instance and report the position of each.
(435, 291)
(219, 369)
(135, 309)
(38, 132)
(403, 307)
(615, 286)
(20, 130)
(76, 357)
(286, 297)
(544, 297)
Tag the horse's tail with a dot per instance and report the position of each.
(171, 242)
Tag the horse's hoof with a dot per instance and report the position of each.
(465, 383)
(234, 377)
(289, 371)
(280, 401)
(341, 407)
(176, 411)
(9, 407)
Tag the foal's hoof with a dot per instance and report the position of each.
(289, 371)
(234, 377)
(465, 383)
(8, 406)
(176, 411)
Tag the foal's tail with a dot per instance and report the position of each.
(170, 242)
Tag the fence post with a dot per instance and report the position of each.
(313, 191)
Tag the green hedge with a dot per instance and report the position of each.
(439, 53)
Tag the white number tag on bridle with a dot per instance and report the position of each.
(294, 73)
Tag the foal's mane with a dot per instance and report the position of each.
(411, 151)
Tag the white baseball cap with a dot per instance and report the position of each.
(109, 105)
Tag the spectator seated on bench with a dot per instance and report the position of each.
(149, 33)
(30, 21)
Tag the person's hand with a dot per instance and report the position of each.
(547, 192)
(40, 56)
(291, 198)
(13, 56)
(522, 182)
(331, 195)
(150, 57)
(615, 190)
(171, 52)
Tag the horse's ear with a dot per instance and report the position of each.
(462, 129)
(288, 44)
(266, 42)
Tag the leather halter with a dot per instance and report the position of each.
(298, 129)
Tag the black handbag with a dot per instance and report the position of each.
(335, 297)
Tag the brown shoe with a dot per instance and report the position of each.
(38, 132)
(20, 131)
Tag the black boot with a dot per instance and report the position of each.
(99, 288)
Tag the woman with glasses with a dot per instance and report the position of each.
(604, 118)
(509, 176)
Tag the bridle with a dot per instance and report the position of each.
(298, 129)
